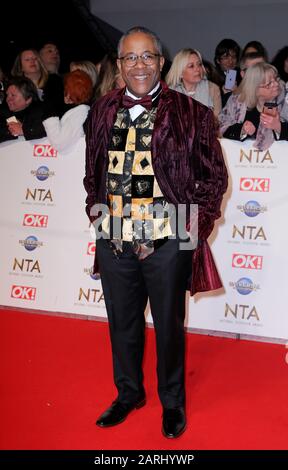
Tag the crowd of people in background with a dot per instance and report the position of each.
(37, 100)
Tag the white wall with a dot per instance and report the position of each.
(201, 23)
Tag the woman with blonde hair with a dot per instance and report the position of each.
(109, 76)
(86, 66)
(256, 109)
(29, 64)
(187, 75)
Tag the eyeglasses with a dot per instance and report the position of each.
(148, 58)
(271, 83)
(228, 56)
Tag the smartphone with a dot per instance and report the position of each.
(230, 79)
(270, 108)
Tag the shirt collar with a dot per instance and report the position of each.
(155, 89)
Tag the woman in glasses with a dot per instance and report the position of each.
(227, 54)
(246, 115)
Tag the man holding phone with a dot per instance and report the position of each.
(226, 60)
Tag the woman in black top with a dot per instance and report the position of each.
(256, 110)
(22, 113)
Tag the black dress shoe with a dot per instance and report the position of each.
(174, 422)
(118, 412)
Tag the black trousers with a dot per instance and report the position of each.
(127, 285)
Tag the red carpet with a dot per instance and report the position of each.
(56, 379)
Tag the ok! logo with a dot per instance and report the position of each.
(241, 260)
(44, 150)
(23, 292)
(35, 220)
(261, 185)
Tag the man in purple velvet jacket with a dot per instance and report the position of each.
(149, 146)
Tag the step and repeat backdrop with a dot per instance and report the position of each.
(47, 244)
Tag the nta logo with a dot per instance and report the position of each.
(39, 194)
(243, 312)
(28, 265)
(250, 232)
(91, 295)
(255, 156)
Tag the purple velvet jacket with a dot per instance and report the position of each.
(187, 162)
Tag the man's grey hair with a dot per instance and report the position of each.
(141, 29)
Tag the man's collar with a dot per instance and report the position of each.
(155, 90)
